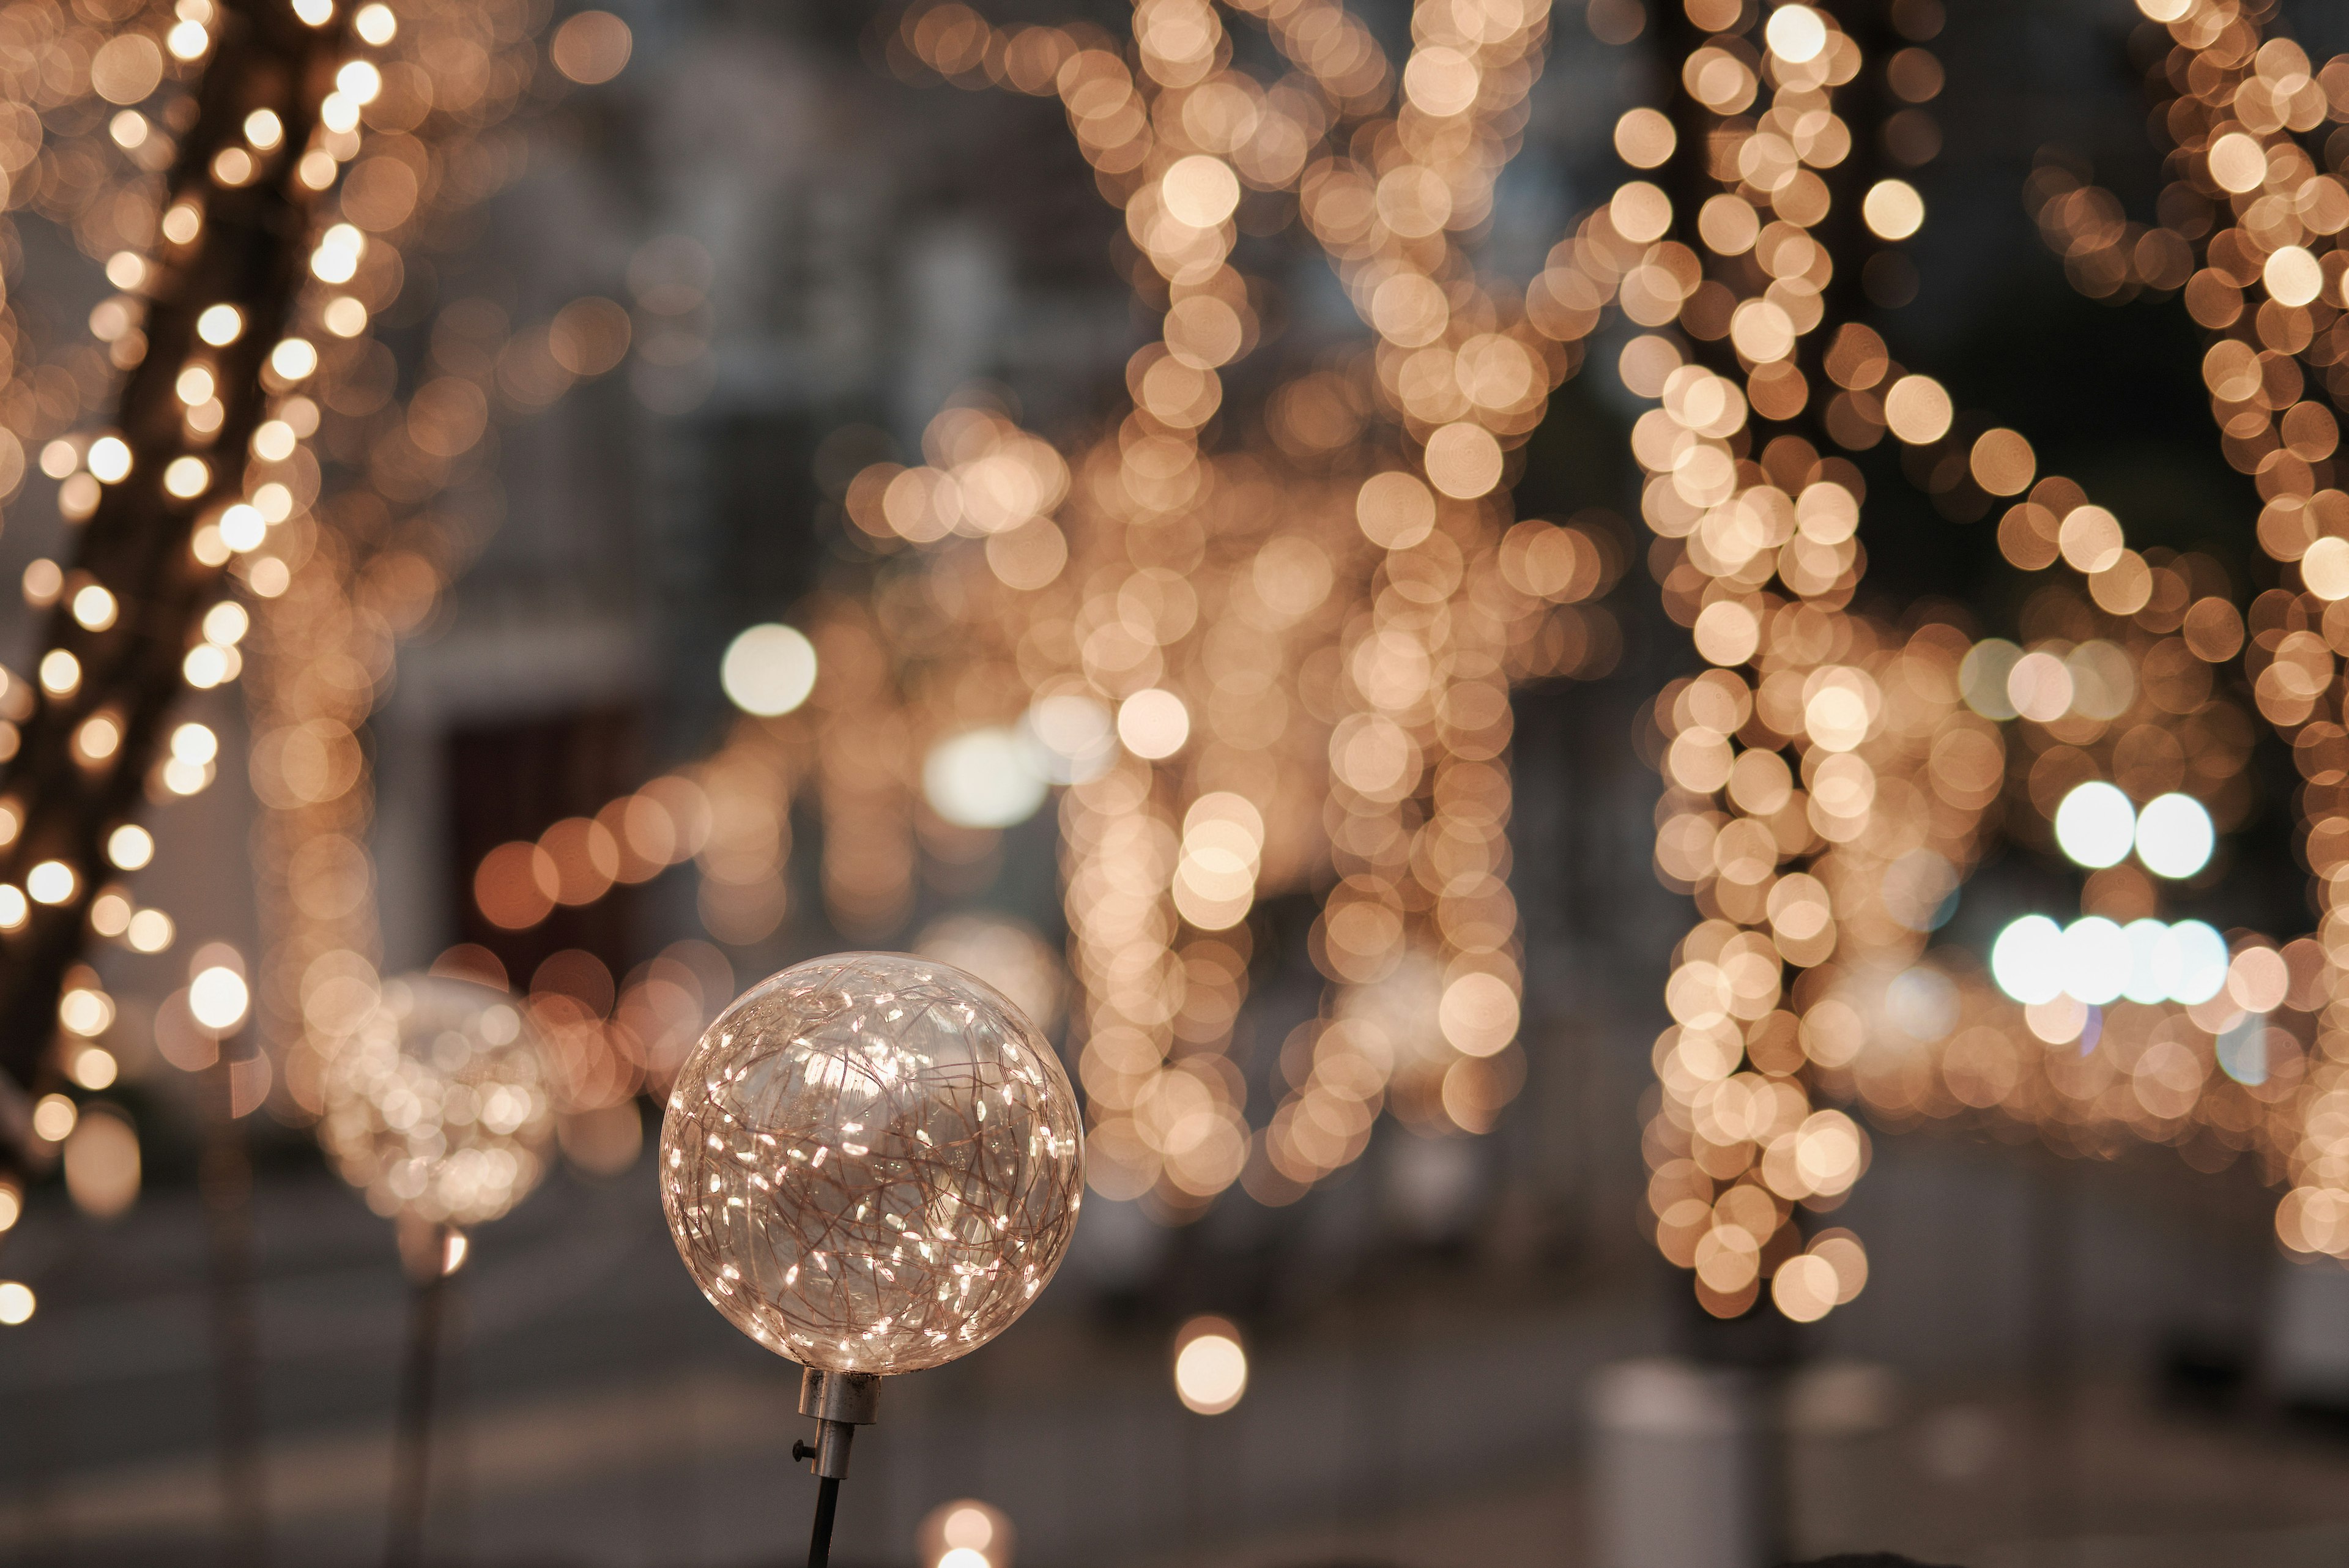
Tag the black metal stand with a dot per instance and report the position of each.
(411, 1471)
(827, 1499)
(840, 1402)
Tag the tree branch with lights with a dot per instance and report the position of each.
(168, 482)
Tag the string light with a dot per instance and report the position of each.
(324, 647)
(1407, 750)
(1818, 865)
(110, 658)
(2115, 683)
(1885, 734)
(1838, 864)
(872, 1165)
(437, 1107)
(2252, 212)
(342, 560)
(1244, 669)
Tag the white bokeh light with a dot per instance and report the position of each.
(768, 670)
(983, 778)
(1154, 724)
(2174, 836)
(1922, 1003)
(2241, 1050)
(2201, 962)
(2096, 825)
(2096, 960)
(2027, 960)
(218, 998)
(965, 1533)
(1074, 737)
(1211, 1369)
(1796, 34)
(2154, 961)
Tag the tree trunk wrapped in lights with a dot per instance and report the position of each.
(1789, 858)
(2116, 683)
(1332, 665)
(2248, 233)
(149, 562)
(332, 582)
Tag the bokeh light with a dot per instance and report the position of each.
(983, 778)
(1075, 736)
(2027, 960)
(965, 1533)
(2095, 825)
(2097, 960)
(769, 669)
(54, 1118)
(1154, 723)
(2174, 835)
(218, 998)
(2201, 962)
(1211, 1368)
(1796, 34)
(102, 1163)
(591, 48)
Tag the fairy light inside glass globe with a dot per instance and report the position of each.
(872, 1163)
(437, 1107)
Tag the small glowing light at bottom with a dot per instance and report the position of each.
(17, 1303)
(965, 1533)
(1211, 1369)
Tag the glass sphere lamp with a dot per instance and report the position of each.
(437, 1107)
(872, 1164)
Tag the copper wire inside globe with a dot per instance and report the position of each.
(872, 1163)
